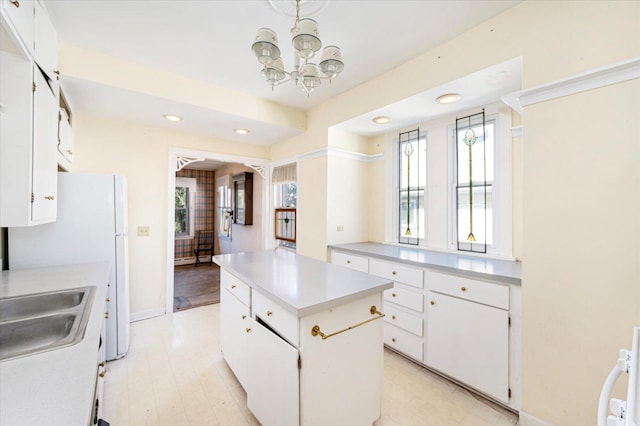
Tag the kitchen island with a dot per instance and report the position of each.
(303, 337)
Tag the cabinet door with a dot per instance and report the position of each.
(45, 169)
(272, 378)
(469, 342)
(234, 321)
(45, 52)
(20, 14)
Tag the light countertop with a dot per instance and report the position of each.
(505, 271)
(54, 387)
(300, 284)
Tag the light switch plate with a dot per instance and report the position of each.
(143, 231)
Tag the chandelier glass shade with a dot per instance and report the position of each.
(306, 43)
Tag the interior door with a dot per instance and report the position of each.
(272, 378)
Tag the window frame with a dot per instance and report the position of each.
(191, 185)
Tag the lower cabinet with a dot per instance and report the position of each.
(469, 341)
(234, 324)
(272, 382)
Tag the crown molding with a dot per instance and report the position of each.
(336, 152)
(593, 79)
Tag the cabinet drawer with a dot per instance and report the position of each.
(235, 287)
(402, 319)
(478, 291)
(281, 320)
(403, 341)
(405, 298)
(397, 272)
(358, 263)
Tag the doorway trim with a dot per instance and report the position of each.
(261, 165)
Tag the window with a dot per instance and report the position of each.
(285, 191)
(184, 200)
(412, 154)
(474, 171)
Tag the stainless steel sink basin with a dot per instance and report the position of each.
(40, 322)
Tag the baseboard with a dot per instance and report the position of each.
(139, 316)
(529, 420)
(189, 260)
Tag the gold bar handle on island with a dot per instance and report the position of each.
(315, 331)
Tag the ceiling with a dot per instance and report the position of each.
(209, 41)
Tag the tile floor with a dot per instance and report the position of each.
(175, 375)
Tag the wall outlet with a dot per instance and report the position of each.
(340, 228)
(143, 231)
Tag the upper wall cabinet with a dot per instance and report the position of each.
(29, 107)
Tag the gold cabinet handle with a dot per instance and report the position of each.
(102, 364)
(16, 3)
(393, 295)
(269, 313)
(49, 197)
(393, 340)
(107, 300)
(393, 317)
(233, 286)
(106, 315)
(248, 330)
(393, 272)
(56, 72)
(433, 302)
(69, 152)
(244, 316)
(102, 374)
(348, 261)
(463, 288)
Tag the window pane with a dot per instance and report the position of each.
(482, 217)
(411, 216)
(412, 176)
(182, 211)
(481, 154)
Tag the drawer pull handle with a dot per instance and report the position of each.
(348, 261)
(107, 300)
(244, 316)
(269, 313)
(102, 374)
(393, 339)
(102, 364)
(393, 295)
(315, 331)
(106, 315)
(233, 286)
(393, 317)
(463, 288)
(393, 272)
(433, 302)
(248, 330)
(16, 3)
(49, 197)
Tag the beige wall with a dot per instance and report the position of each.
(141, 153)
(581, 274)
(243, 237)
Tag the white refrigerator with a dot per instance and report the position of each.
(91, 226)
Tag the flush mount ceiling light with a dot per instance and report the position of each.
(241, 131)
(171, 117)
(448, 98)
(306, 42)
(381, 120)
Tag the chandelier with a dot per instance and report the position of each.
(306, 42)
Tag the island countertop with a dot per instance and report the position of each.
(300, 284)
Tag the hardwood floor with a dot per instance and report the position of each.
(195, 286)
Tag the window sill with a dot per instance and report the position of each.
(494, 256)
(184, 237)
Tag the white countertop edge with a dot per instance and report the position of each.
(500, 277)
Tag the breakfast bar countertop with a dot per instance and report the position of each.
(300, 284)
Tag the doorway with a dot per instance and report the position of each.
(187, 285)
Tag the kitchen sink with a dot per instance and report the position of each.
(41, 322)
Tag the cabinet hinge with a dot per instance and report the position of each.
(34, 86)
(33, 197)
(509, 393)
(299, 363)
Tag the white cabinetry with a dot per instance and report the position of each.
(28, 116)
(469, 341)
(234, 323)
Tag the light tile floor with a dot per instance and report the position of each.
(174, 375)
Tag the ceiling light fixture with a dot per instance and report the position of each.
(241, 131)
(381, 120)
(306, 42)
(448, 98)
(171, 117)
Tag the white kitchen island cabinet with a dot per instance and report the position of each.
(313, 340)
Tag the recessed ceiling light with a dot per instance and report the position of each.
(171, 117)
(448, 98)
(241, 131)
(381, 120)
